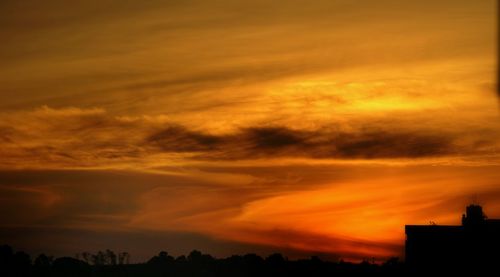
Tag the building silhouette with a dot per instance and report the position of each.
(473, 246)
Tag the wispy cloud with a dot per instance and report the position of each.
(73, 137)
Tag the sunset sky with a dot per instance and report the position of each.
(306, 127)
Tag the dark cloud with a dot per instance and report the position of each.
(382, 144)
(74, 137)
(177, 138)
(62, 197)
(108, 197)
(265, 142)
(274, 137)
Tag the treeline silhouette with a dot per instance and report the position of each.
(107, 263)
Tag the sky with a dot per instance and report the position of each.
(305, 127)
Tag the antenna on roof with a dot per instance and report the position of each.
(473, 199)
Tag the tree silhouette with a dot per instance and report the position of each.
(123, 258)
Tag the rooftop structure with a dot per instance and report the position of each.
(472, 246)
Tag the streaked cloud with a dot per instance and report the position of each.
(73, 138)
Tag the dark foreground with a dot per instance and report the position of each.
(107, 263)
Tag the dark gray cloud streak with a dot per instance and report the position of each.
(265, 142)
(81, 138)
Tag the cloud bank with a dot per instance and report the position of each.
(73, 137)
